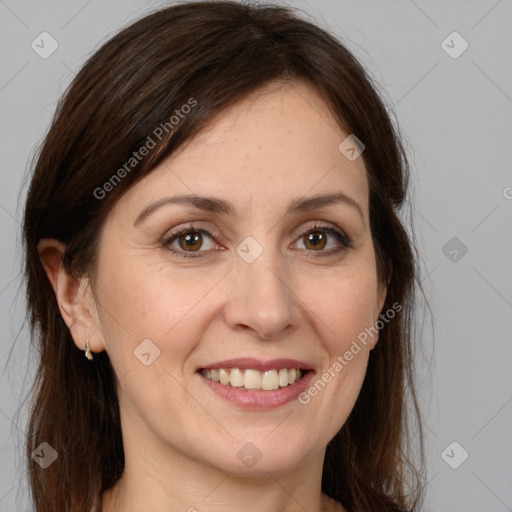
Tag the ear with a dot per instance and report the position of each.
(74, 296)
(383, 288)
(381, 299)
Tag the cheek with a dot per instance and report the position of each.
(342, 313)
(345, 304)
(150, 326)
(139, 302)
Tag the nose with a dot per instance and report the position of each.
(263, 302)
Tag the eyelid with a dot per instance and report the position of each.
(343, 239)
(173, 234)
(192, 227)
(329, 228)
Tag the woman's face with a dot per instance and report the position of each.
(268, 286)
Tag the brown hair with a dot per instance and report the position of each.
(217, 53)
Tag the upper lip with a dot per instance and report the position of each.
(244, 363)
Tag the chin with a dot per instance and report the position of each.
(262, 456)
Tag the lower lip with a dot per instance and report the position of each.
(259, 400)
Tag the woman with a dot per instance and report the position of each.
(217, 279)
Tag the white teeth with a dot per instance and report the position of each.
(252, 379)
(224, 376)
(283, 377)
(236, 378)
(268, 380)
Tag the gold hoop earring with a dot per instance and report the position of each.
(88, 350)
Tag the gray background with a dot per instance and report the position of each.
(456, 116)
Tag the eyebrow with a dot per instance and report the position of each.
(216, 205)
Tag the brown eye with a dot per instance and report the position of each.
(187, 241)
(315, 240)
(190, 241)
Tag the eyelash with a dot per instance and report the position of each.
(345, 241)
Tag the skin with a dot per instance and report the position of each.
(181, 439)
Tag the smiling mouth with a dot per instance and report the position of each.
(254, 380)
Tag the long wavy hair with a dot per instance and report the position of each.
(216, 52)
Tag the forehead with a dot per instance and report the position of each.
(274, 146)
